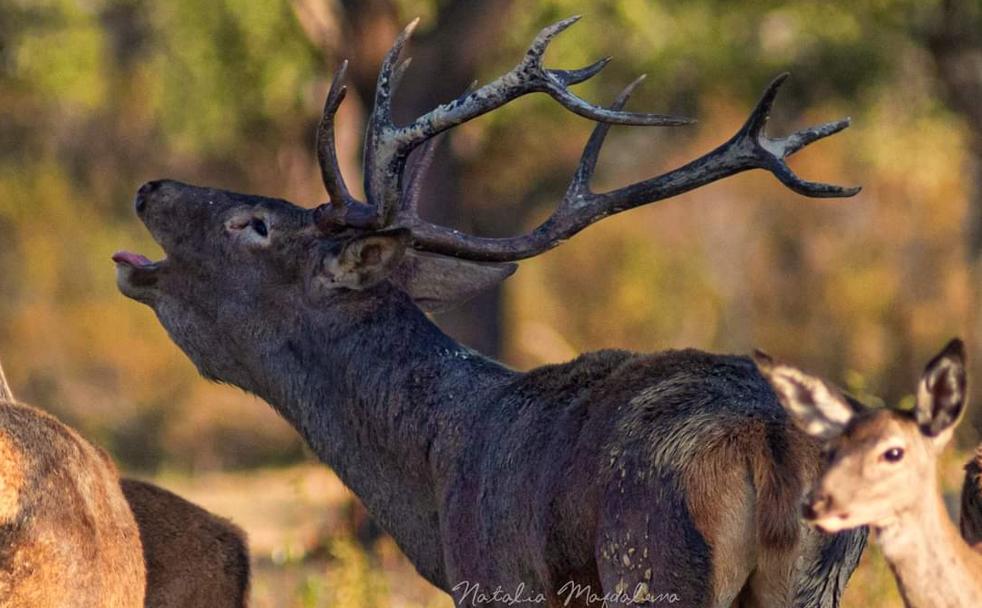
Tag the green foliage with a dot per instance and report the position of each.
(228, 72)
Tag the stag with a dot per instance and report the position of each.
(620, 477)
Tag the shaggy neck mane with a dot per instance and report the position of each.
(387, 406)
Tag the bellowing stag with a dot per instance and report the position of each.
(655, 478)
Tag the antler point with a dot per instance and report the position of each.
(564, 24)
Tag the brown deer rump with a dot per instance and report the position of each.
(67, 536)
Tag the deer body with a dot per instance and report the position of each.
(600, 474)
(668, 478)
(67, 536)
(883, 473)
(194, 559)
(74, 534)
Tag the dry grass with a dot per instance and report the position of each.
(304, 554)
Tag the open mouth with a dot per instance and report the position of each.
(133, 260)
(135, 270)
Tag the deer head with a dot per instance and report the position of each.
(241, 268)
(881, 461)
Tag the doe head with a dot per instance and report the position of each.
(880, 461)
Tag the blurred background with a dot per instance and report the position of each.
(98, 96)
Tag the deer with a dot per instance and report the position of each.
(75, 534)
(598, 480)
(882, 473)
(194, 558)
(67, 535)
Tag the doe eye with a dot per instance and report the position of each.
(893, 455)
(259, 226)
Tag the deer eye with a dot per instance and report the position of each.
(259, 227)
(893, 455)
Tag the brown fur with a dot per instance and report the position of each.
(756, 538)
(194, 559)
(68, 537)
(970, 521)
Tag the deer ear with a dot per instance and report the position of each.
(815, 406)
(941, 394)
(438, 282)
(364, 261)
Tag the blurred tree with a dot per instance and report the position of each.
(953, 35)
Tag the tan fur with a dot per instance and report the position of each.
(756, 537)
(5, 393)
(194, 559)
(68, 537)
(883, 473)
(730, 532)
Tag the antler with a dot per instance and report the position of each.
(342, 208)
(387, 146)
(748, 149)
(392, 194)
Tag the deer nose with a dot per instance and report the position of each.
(140, 202)
(819, 504)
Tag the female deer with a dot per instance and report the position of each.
(882, 473)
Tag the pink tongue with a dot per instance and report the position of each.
(133, 259)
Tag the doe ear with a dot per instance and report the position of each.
(941, 394)
(815, 406)
(439, 282)
(363, 261)
(5, 393)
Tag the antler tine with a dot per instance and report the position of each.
(400, 71)
(327, 156)
(342, 209)
(591, 152)
(529, 76)
(772, 152)
(383, 164)
(388, 77)
(748, 149)
(571, 77)
(387, 146)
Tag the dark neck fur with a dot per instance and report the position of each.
(390, 389)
